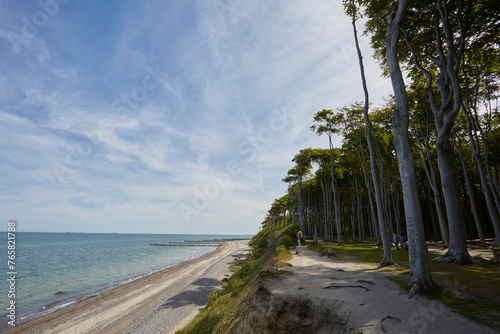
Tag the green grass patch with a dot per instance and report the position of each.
(470, 290)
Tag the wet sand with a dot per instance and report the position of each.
(159, 303)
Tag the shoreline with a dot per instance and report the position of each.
(105, 311)
(49, 309)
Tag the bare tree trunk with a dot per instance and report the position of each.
(361, 230)
(444, 117)
(458, 246)
(374, 222)
(325, 205)
(488, 193)
(334, 190)
(421, 278)
(472, 200)
(431, 178)
(353, 210)
(494, 218)
(387, 259)
(397, 210)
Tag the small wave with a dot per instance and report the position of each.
(62, 305)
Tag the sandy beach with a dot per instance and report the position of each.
(159, 303)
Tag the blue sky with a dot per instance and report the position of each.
(164, 116)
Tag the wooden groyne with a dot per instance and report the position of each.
(202, 243)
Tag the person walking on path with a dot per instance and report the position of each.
(402, 239)
(300, 237)
(396, 240)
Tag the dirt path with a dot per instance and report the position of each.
(158, 303)
(366, 301)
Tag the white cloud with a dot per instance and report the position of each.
(207, 90)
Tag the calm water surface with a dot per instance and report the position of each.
(78, 265)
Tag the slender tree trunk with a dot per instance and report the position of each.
(334, 191)
(421, 278)
(433, 217)
(387, 259)
(397, 208)
(489, 196)
(300, 208)
(472, 200)
(361, 231)
(324, 191)
(494, 186)
(431, 178)
(374, 222)
(353, 210)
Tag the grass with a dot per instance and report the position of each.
(470, 290)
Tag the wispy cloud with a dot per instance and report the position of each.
(117, 116)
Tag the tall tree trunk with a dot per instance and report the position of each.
(431, 178)
(458, 245)
(361, 230)
(324, 191)
(472, 200)
(334, 191)
(487, 192)
(444, 118)
(353, 210)
(421, 278)
(374, 222)
(494, 182)
(387, 259)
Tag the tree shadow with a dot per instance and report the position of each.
(198, 296)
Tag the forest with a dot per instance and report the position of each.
(426, 163)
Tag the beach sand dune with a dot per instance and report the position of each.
(159, 303)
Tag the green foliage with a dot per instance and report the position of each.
(289, 231)
(203, 325)
(288, 241)
(288, 236)
(282, 254)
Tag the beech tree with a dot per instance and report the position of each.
(384, 233)
(327, 123)
(378, 12)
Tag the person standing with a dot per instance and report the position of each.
(396, 240)
(402, 239)
(300, 237)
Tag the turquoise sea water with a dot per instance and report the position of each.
(83, 264)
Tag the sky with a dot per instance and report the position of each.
(157, 116)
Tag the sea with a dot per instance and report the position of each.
(55, 270)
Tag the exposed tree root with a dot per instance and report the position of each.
(346, 286)
(418, 287)
(456, 258)
(386, 263)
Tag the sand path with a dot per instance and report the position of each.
(374, 303)
(159, 303)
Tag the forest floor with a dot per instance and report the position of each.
(371, 300)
